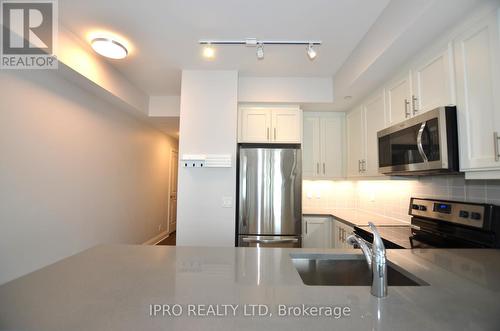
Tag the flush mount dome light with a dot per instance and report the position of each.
(109, 48)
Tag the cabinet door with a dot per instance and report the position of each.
(398, 99)
(286, 126)
(311, 146)
(347, 231)
(433, 83)
(374, 122)
(354, 122)
(478, 105)
(255, 125)
(316, 233)
(332, 142)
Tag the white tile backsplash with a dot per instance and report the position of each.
(391, 197)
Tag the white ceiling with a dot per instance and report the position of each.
(164, 34)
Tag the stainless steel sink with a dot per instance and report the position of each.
(347, 270)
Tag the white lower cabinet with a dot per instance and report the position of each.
(340, 232)
(325, 232)
(317, 232)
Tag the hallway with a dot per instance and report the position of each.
(169, 241)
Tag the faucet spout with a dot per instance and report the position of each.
(375, 257)
(354, 239)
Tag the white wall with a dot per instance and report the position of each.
(286, 89)
(79, 57)
(208, 125)
(75, 172)
(169, 106)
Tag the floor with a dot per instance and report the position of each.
(169, 241)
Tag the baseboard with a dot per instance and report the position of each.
(156, 239)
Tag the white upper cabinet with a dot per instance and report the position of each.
(255, 125)
(355, 138)
(323, 151)
(374, 122)
(286, 125)
(270, 125)
(363, 123)
(398, 96)
(311, 146)
(433, 82)
(477, 68)
(332, 145)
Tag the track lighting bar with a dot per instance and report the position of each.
(255, 42)
(209, 50)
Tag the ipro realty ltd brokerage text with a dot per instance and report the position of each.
(247, 310)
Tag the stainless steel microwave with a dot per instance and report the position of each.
(423, 145)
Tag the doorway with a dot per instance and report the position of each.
(172, 204)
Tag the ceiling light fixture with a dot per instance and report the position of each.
(311, 53)
(260, 52)
(109, 48)
(209, 52)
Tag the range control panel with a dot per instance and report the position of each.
(454, 212)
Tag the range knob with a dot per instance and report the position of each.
(422, 208)
(463, 214)
(475, 216)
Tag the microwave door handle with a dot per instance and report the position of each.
(419, 142)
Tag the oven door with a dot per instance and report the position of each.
(416, 145)
(270, 241)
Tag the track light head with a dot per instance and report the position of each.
(209, 52)
(260, 51)
(311, 53)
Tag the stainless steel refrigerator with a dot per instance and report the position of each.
(270, 196)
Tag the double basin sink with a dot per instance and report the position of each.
(347, 270)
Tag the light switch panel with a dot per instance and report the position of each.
(227, 202)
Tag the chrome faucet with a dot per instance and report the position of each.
(375, 257)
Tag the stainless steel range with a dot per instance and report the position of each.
(452, 224)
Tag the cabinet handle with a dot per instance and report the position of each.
(306, 227)
(317, 168)
(324, 171)
(495, 144)
(267, 133)
(407, 111)
(274, 133)
(414, 104)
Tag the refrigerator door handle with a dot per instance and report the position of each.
(270, 241)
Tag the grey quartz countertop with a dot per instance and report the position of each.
(356, 217)
(112, 287)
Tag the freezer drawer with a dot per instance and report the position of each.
(270, 241)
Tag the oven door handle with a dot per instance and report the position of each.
(419, 142)
(270, 241)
